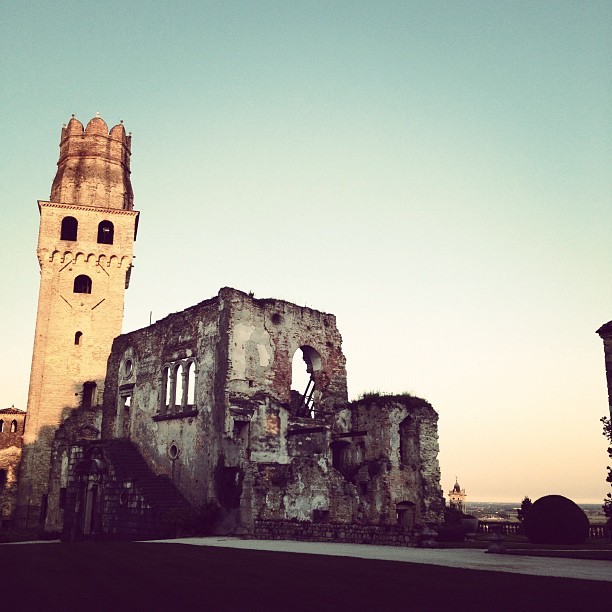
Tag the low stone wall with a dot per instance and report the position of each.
(386, 535)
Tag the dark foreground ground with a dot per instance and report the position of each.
(131, 576)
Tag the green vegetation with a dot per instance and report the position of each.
(526, 505)
(146, 576)
(554, 519)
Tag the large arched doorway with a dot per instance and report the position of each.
(306, 362)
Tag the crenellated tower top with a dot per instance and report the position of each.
(94, 166)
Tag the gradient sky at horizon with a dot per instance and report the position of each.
(436, 174)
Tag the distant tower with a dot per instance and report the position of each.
(457, 497)
(85, 250)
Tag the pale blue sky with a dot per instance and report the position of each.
(436, 174)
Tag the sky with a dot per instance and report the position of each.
(436, 174)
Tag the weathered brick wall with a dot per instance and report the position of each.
(60, 364)
(94, 166)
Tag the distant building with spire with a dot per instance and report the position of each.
(457, 497)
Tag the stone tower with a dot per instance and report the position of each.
(85, 250)
(457, 497)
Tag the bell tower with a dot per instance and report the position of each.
(85, 250)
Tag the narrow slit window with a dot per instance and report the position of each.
(77, 337)
(14, 427)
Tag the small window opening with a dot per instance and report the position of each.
(89, 394)
(43, 508)
(14, 427)
(173, 452)
(69, 228)
(62, 498)
(77, 337)
(106, 232)
(82, 284)
(1, 425)
(128, 368)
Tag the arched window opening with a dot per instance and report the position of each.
(13, 426)
(106, 232)
(77, 337)
(303, 388)
(89, 394)
(190, 382)
(1, 425)
(69, 228)
(164, 394)
(82, 284)
(2, 479)
(180, 390)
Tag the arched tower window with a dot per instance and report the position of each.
(106, 232)
(77, 337)
(69, 228)
(13, 426)
(82, 284)
(1, 425)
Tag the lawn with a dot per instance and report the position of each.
(130, 576)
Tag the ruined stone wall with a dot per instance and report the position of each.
(10, 457)
(382, 535)
(401, 457)
(263, 337)
(181, 441)
(120, 507)
(82, 426)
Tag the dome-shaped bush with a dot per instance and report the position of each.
(555, 519)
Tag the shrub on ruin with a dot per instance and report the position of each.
(555, 519)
